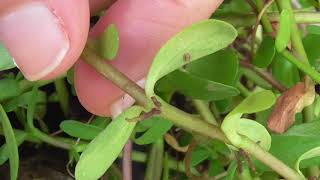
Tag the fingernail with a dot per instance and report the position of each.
(36, 39)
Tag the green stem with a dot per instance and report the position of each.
(264, 19)
(255, 78)
(173, 164)
(181, 118)
(30, 137)
(36, 132)
(204, 110)
(243, 90)
(302, 66)
(249, 19)
(245, 174)
(295, 34)
(63, 95)
(20, 114)
(269, 160)
(265, 75)
(155, 160)
(166, 170)
(191, 123)
(11, 144)
(177, 116)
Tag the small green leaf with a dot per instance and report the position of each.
(256, 102)
(109, 42)
(6, 61)
(199, 154)
(194, 42)
(9, 89)
(155, 132)
(11, 144)
(80, 130)
(265, 53)
(234, 126)
(212, 67)
(105, 148)
(198, 88)
(284, 71)
(23, 100)
(307, 155)
(101, 122)
(313, 29)
(284, 32)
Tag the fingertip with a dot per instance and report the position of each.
(142, 32)
(44, 37)
(92, 90)
(98, 5)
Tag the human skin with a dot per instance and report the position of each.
(46, 39)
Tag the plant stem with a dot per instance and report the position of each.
(252, 5)
(264, 19)
(166, 170)
(11, 143)
(245, 174)
(269, 160)
(249, 19)
(265, 75)
(191, 123)
(205, 112)
(315, 75)
(243, 90)
(181, 118)
(177, 116)
(63, 95)
(20, 114)
(116, 77)
(295, 34)
(253, 77)
(127, 161)
(36, 132)
(155, 160)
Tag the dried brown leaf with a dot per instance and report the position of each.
(288, 104)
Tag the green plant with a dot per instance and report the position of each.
(230, 69)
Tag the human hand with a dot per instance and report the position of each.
(47, 37)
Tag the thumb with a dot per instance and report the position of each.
(144, 26)
(44, 37)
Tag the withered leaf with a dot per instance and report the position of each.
(288, 104)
